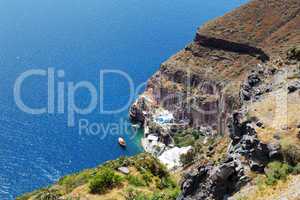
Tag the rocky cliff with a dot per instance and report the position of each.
(232, 95)
(239, 77)
(201, 81)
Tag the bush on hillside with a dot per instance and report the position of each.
(148, 163)
(165, 195)
(296, 169)
(188, 158)
(120, 162)
(136, 181)
(187, 137)
(132, 194)
(277, 171)
(165, 182)
(105, 179)
(47, 194)
(147, 177)
(291, 154)
(184, 141)
(70, 182)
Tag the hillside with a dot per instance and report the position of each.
(230, 101)
(222, 53)
(236, 85)
(138, 177)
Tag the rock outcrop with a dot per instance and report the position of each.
(238, 79)
(200, 82)
(213, 182)
(233, 62)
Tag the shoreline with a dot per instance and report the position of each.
(158, 125)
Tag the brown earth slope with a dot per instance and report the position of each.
(201, 82)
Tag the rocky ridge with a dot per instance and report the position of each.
(246, 152)
(238, 78)
(238, 81)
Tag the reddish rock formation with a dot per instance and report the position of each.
(202, 81)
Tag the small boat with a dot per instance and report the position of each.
(136, 126)
(122, 142)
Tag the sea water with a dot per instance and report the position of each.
(77, 39)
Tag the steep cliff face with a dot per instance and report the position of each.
(201, 81)
(239, 77)
(264, 131)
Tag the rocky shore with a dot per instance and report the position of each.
(159, 125)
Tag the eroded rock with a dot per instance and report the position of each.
(293, 86)
(213, 182)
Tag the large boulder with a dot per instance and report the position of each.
(293, 86)
(213, 182)
(275, 151)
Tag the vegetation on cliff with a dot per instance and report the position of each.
(147, 179)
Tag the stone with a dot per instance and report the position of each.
(277, 136)
(213, 182)
(124, 170)
(259, 124)
(253, 79)
(293, 86)
(255, 166)
(294, 53)
(274, 151)
(245, 95)
(268, 88)
(298, 135)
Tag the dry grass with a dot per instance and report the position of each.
(258, 191)
(278, 118)
(147, 176)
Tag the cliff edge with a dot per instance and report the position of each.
(223, 115)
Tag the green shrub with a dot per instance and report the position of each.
(291, 154)
(147, 177)
(120, 162)
(72, 181)
(296, 169)
(187, 137)
(47, 194)
(184, 141)
(132, 194)
(173, 194)
(165, 182)
(152, 165)
(277, 171)
(260, 182)
(72, 198)
(105, 179)
(196, 134)
(158, 196)
(136, 181)
(166, 195)
(188, 157)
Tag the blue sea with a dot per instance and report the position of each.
(77, 39)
